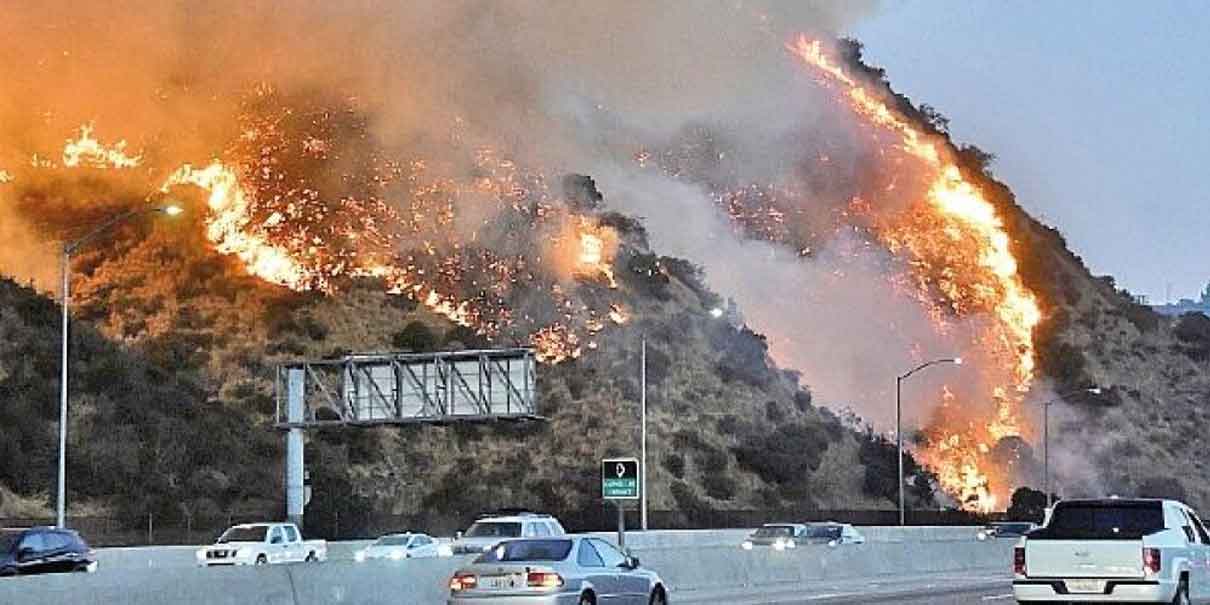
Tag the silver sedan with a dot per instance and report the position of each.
(570, 570)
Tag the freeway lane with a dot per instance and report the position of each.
(990, 586)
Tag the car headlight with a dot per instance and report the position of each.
(779, 545)
(359, 556)
(982, 535)
(396, 555)
(791, 544)
(200, 554)
(747, 545)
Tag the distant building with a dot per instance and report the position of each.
(1186, 305)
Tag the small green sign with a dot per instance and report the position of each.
(620, 478)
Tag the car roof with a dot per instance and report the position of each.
(514, 518)
(783, 525)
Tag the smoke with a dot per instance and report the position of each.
(543, 81)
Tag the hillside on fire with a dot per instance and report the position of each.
(786, 232)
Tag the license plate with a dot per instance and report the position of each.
(1086, 586)
(499, 582)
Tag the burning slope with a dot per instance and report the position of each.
(961, 265)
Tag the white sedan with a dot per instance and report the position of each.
(396, 547)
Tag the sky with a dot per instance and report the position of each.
(1098, 114)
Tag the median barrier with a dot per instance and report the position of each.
(169, 574)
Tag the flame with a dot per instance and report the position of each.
(5, 177)
(87, 151)
(960, 248)
(228, 226)
(597, 247)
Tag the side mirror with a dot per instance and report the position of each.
(632, 562)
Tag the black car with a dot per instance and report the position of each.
(44, 550)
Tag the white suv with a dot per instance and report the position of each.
(489, 530)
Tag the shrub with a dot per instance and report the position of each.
(415, 337)
(674, 464)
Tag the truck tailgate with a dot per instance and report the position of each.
(1084, 558)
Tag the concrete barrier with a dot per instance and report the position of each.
(169, 574)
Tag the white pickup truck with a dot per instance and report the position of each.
(1115, 550)
(262, 544)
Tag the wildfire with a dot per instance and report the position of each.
(87, 151)
(959, 248)
(229, 226)
(5, 177)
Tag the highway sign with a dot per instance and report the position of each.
(620, 478)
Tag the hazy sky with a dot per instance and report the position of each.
(1096, 111)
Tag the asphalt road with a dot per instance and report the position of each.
(940, 589)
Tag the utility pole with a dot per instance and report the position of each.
(643, 422)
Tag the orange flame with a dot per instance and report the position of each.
(228, 226)
(956, 233)
(87, 151)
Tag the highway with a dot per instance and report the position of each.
(897, 565)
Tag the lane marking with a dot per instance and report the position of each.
(998, 597)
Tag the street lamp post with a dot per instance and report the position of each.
(643, 446)
(899, 424)
(69, 249)
(1046, 437)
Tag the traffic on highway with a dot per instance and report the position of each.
(1087, 551)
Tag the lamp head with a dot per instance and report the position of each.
(958, 361)
(172, 210)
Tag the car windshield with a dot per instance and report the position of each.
(1124, 520)
(392, 541)
(7, 539)
(774, 531)
(830, 532)
(255, 533)
(527, 550)
(494, 529)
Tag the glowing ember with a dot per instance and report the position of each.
(959, 248)
(5, 177)
(87, 151)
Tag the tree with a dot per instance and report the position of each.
(1028, 504)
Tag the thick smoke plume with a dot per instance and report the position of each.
(570, 87)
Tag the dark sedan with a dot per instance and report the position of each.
(44, 550)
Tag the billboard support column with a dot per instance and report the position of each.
(295, 496)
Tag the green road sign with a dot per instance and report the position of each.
(620, 478)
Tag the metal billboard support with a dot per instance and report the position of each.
(396, 389)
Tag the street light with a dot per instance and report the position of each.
(1046, 436)
(70, 248)
(899, 423)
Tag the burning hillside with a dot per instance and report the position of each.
(846, 227)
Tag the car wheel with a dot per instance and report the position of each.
(587, 599)
(7, 572)
(1182, 594)
(311, 558)
(658, 598)
(262, 560)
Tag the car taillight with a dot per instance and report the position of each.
(543, 579)
(463, 582)
(1019, 560)
(1152, 562)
